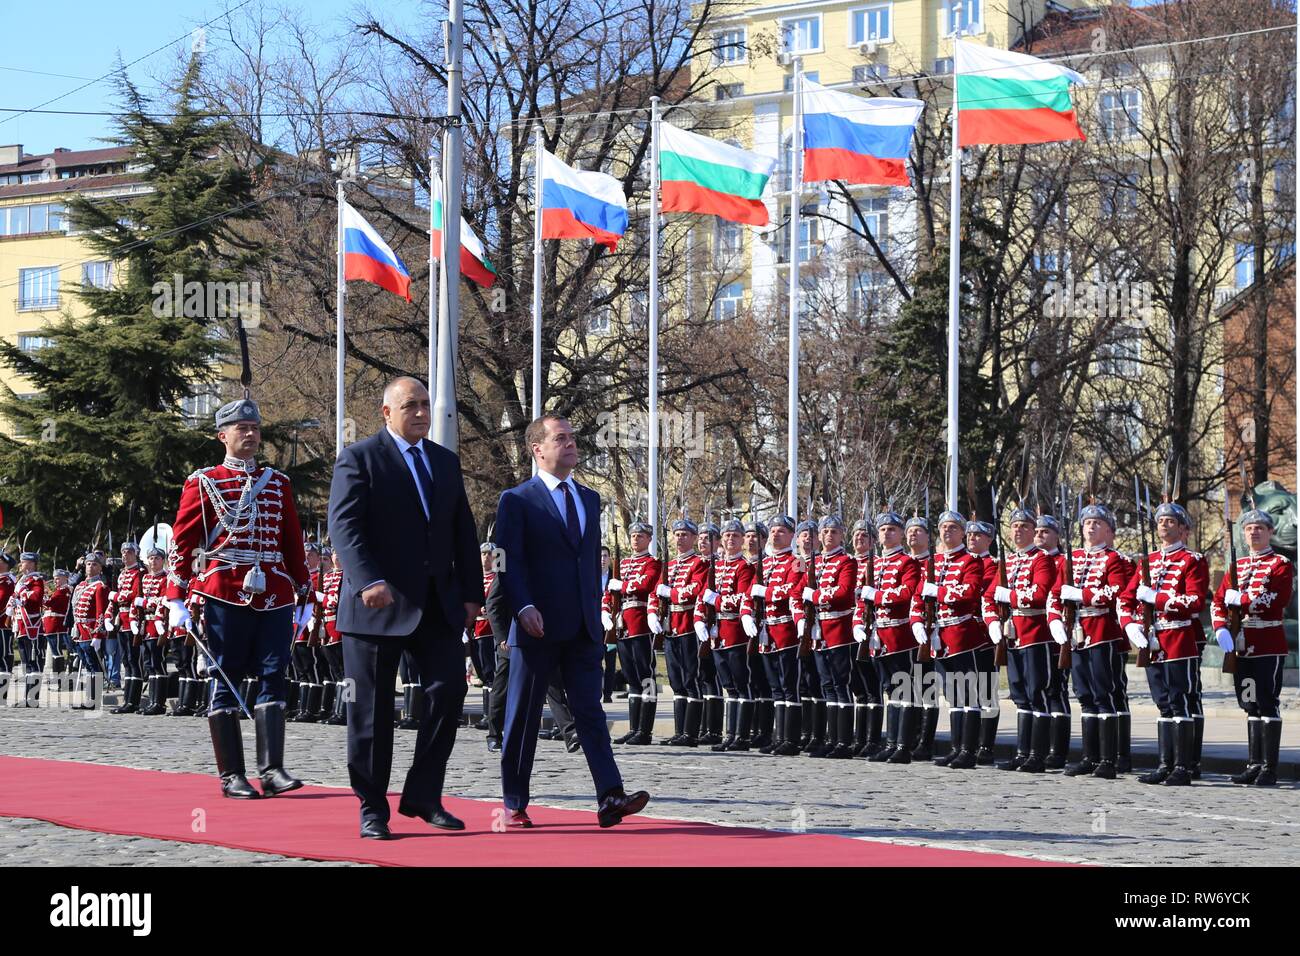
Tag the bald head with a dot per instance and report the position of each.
(406, 408)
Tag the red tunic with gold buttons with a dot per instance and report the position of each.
(639, 574)
(834, 580)
(330, 607)
(301, 632)
(1030, 577)
(958, 575)
(152, 605)
(1181, 579)
(733, 579)
(29, 595)
(1101, 574)
(89, 605)
(1265, 582)
(218, 556)
(898, 578)
(54, 610)
(687, 578)
(123, 600)
(784, 579)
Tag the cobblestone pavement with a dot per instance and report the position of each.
(1044, 816)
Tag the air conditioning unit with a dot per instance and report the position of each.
(785, 59)
(868, 48)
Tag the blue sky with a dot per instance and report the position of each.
(80, 40)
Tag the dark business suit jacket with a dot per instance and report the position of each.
(544, 568)
(377, 525)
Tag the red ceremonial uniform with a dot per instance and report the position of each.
(1030, 578)
(958, 575)
(7, 584)
(1101, 574)
(482, 627)
(29, 595)
(898, 578)
(89, 606)
(152, 605)
(1181, 579)
(987, 607)
(687, 578)
(123, 600)
(330, 605)
(267, 537)
(1265, 582)
(54, 612)
(301, 632)
(639, 574)
(784, 579)
(733, 579)
(834, 580)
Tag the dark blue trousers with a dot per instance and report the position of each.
(532, 663)
(248, 643)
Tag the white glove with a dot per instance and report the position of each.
(701, 631)
(869, 594)
(112, 597)
(615, 585)
(875, 640)
(310, 623)
(918, 632)
(606, 621)
(1135, 636)
(800, 626)
(159, 629)
(1002, 595)
(664, 591)
(710, 598)
(817, 632)
(110, 623)
(178, 615)
(935, 644)
(859, 633)
(135, 627)
(464, 637)
(1146, 594)
(320, 597)
(1224, 637)
(995, 632)
(758, 591)
(1058, 631)
(809, 594)
(1232, 596)
(1070, 593)
(929, 589)
(747, 623)
(653, 620)
(138, 602)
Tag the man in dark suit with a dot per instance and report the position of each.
(549, 529)
(402, 526)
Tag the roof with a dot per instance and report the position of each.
(1074, 31)
(63, 159)
(1278, 274)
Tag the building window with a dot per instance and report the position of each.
(729, 91)
(31, 343)
(963, 14)
(729, 47)
(809, 240)
(200, 407)
(730, 298)
(639, 314)
(875, 211)
(1120, 354)
(1119, 195)
(943, 65)
(867, 291)
(21, 220)
(871, 73)
(598, 321)
(38, 288)
(1052, 265)
(728, 239)
(1122, 420)
(1121, 113)
(1243, 271)
(813, 75)
(801, 35)
(97, 274)
(869, 23)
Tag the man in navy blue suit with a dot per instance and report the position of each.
(549, 529)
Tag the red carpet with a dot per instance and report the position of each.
(320, 823)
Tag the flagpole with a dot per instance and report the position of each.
(792, 400)
(954, 286)
(433, 281)
(444, 430)
(537, 272)
(652, 403)
(340, 293)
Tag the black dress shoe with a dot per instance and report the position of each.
(618, 805)
(519, 820)
(437, 817)
(573, 746)
(494, 745)
(374, 830)
(236, 785)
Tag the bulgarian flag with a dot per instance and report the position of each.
(1005, 98)
(699, 174)
(473, 258)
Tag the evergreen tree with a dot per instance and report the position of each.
(106, 429)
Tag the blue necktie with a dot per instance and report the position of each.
(426, 483)
(571, 515)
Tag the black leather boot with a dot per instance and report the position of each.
(1254, 752)
(269, 721)
(1184, 748)
(1165, 747)
(1024, 733)
(339, 713)
(1272, 744)
(131, 689)
(1124, 755)
(482, 722)
(956, 720)
(1090, 732)
(860, 721)
(414, 710)
(909, 723)
(929, 724)
(790, 738)
(823, 722)
(970, 741)
(764, 718)
(328, 690)
(679, 721)
(875, 722)
(157, 705)
(1198, 736)
(292, 693)
(228, 746)
(691, 732)
(646, 722)
(633, 719)
(988, 737)
(808, 719)
(893, 714)
(733, 722)
(714, 710)
(778, 729)
(745, 716)
(844, 748)
(1059, 752)
(1040, 736)
(1108, 738)
(309, 703)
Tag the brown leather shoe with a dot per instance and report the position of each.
(519, 820)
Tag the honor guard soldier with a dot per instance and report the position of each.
(306, 616)
(7, 582)
(330, 641)
(1179, 591)
(832, 591)
(122, 626)
(55, 609)
(710, 685)
(958, 577)
(868, 709)
(759, 688)
(922, 725)
(897, 581)
(979, 539)
(810, 685)
(150, 609)
(482, 646)
(685, 581)
(89, 606)
(237, 536)
(1047, 536)
(780, 588)
(638, 576)
(25, 618)
(1262, 594)
(733, 578)
(1030, 644)
(1098, 644)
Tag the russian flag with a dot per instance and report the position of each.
(368, 258)
(577, 205)
(856, 139)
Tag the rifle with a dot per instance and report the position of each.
(1069, 611)
(810, 609)
(931, 613)
(1000, 653)
(1144, 654)
(707, 645)
(868, 608)
(616, 602)
(1234, 613)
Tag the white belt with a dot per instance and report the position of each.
(1029, 612)
(628, 604)
(1258, 622)
(728, 616)
(681, 608)
(1092, 612)
(54, 614)
(241, 556)
(832, 615)
(953, 621)
(1171, 625)
(787, 619)
(891, 621)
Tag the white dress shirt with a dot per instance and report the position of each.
(557, 495)
(402, 446)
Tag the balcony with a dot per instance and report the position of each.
(37, 303)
